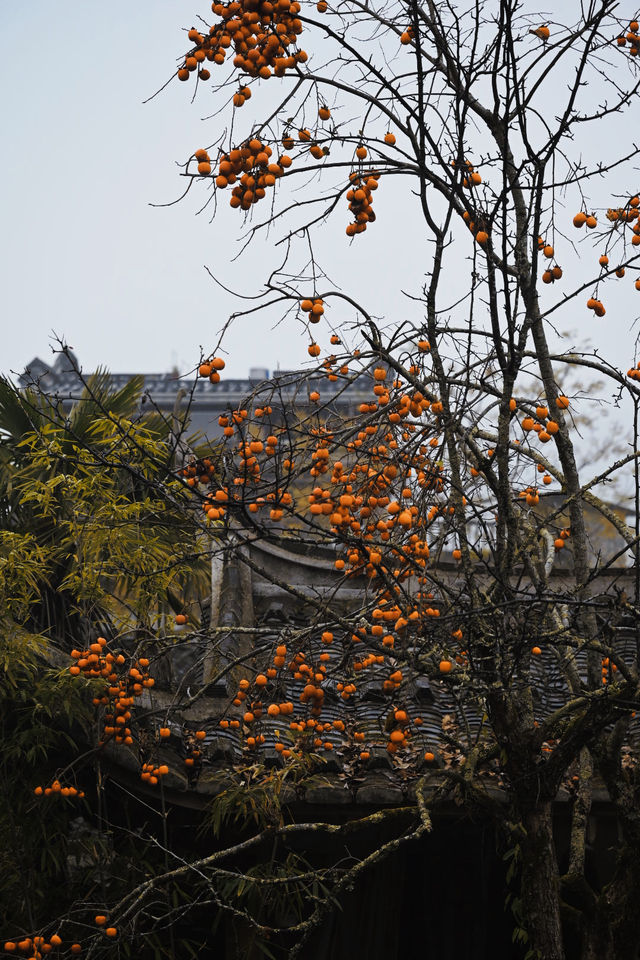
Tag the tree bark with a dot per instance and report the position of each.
(613, 931)
(540, 886)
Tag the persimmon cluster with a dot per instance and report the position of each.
(628, 214)
(102, 921)
(204, 162)
(211, 369)
(531, 495)
(604, 263)
(314, 308)
(400, 735)
(215, 505)
(198, 471)
(193, 758)
(364, 499)
(249, 170)
(634, 372)
(236, 417)
(122, 686)
(477, 229)
(247, 452)
(618, 217)
(57, 790)
(95, 661)
(625, 214)
(152, 774)
(597, 306)
(632, 38)
(306, 137)
(544, 428)
(360, 200)
(581, 218)
(38, 947)
(471, 178)
(262, 33)
(551, 274)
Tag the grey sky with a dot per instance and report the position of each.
(83, 252)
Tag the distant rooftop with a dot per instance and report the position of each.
(65, 381)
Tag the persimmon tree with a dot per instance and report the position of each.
(487, 116)
(451, 493)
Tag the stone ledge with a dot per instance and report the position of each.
(379, 789)
(327, 790)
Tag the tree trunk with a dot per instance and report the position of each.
(540, 888)
(613, 928)
(613, 931)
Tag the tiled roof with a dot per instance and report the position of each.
(185, 699)
(206, 400)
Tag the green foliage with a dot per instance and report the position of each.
(23, 569)
(97, 536)
(42, 716)
(94, 525)
(280, 889)
(257, 796)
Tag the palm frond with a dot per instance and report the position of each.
(20, 411)
(99, 397)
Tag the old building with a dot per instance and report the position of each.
(196, 399)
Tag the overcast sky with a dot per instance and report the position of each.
(84, 253)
